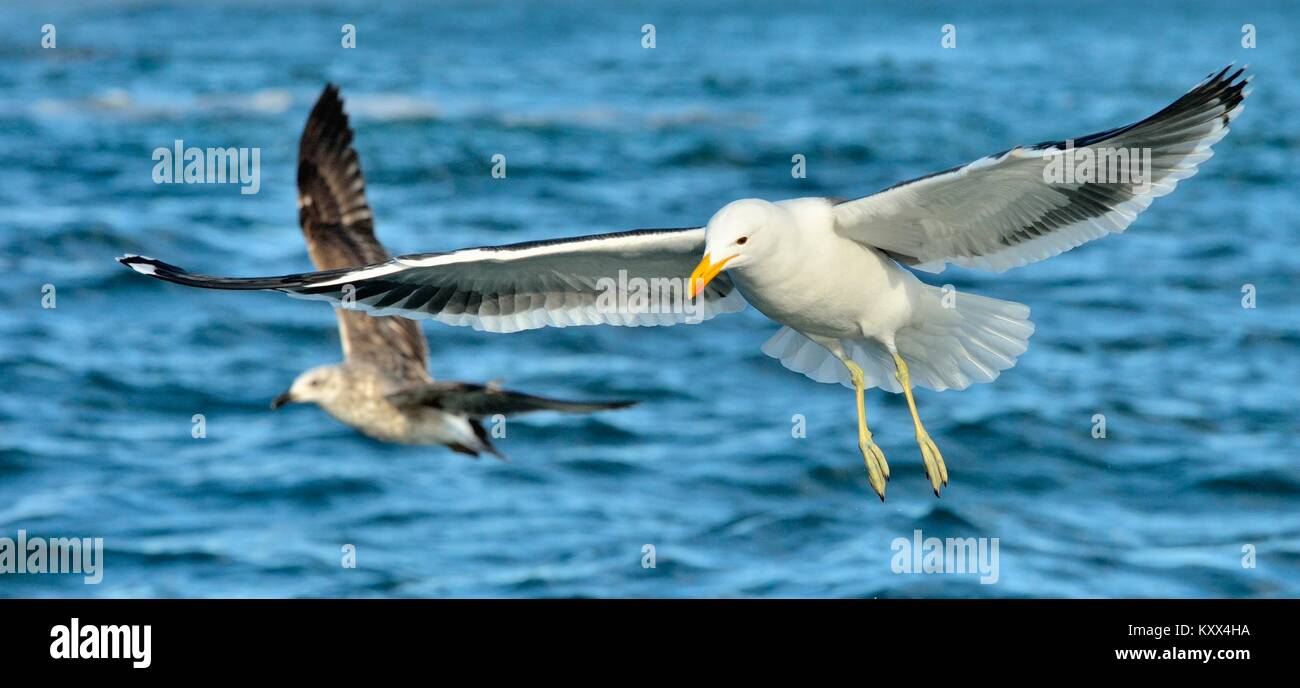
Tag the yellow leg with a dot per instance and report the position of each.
(935, 469)
(877, 468)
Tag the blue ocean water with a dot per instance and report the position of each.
(1198, 468)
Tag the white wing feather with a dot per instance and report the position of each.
(999, 212)
(557, 283)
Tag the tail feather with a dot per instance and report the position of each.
(971, 340)
(952, 345)
(472, 440)
(484, 439)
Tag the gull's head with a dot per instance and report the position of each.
(737, 235)
(320, 385)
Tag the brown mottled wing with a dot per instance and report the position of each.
(340, 233)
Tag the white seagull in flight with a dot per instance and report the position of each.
(830, 270)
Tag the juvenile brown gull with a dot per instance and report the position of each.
(383, 387)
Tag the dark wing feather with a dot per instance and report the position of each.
(480, 401)
(340, 232)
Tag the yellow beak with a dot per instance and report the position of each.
(704, 273)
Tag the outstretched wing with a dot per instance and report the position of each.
(340, 232)
(1010, 209)
(480, 401)
(626, 278)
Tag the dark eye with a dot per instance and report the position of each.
(742, 240)
(315, 383)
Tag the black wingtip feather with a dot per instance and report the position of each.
(146, 265)
(1217, 86)
(171, 273)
